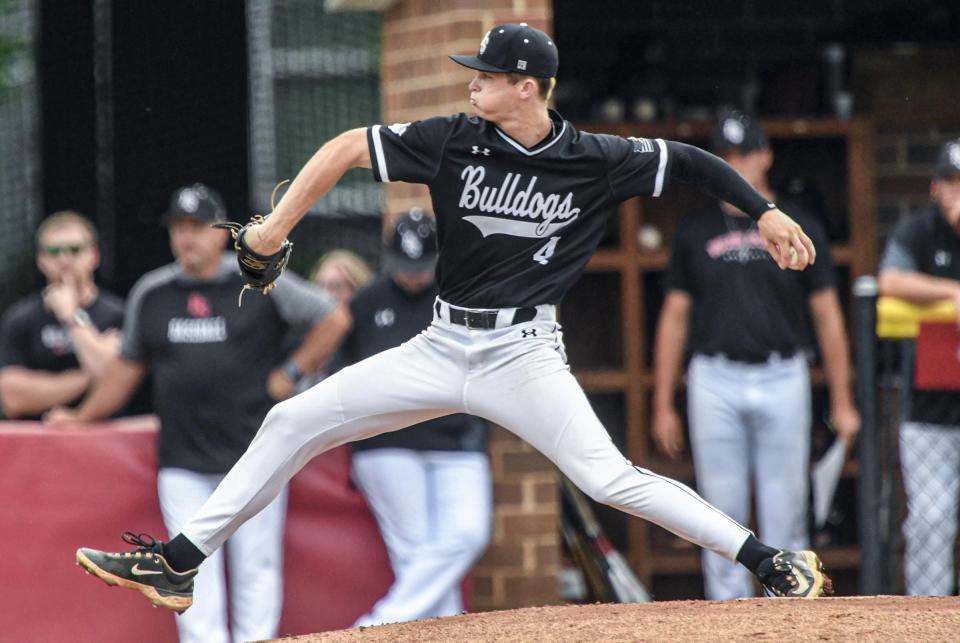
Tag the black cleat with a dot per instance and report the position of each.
(145, 570)
(796, 574)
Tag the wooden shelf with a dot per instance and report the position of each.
(655, 260)
(607, 261)
(686, 560)
(619, 312)
(601, 380)
(778, 128)
(842, 254)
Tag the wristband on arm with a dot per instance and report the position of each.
(291, 370)
(715, 177)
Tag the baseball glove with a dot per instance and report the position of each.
(260, 272)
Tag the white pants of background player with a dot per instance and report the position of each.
(254, 554)
(751, 423)
(434, 513)
(930, 459)
(514, 376)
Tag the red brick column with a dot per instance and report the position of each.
(520, 568)
(418, 81)
(417, 78)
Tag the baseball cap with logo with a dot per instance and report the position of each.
(413, 245)
(739, 132)
(948, 161)
(515, 48)
(198, 202)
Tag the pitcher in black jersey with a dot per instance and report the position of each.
(521, 200)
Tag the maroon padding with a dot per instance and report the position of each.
(60, 490)
(336, 566)
(938, 357)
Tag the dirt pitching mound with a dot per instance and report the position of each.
(874, 618)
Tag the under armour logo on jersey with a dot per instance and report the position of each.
(384, 317)
(399, 128)
(641, 145)
(529, 332)
(485, 151)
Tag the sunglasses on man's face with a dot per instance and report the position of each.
(71, 249)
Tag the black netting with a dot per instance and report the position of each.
(18, 162)
(313, 75)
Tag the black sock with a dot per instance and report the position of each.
(181, 554)
(754, 552)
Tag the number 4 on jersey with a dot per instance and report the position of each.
(542, 256)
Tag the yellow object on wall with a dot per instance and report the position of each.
(900, 319)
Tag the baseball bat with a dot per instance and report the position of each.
(593, 567)
(623, 584)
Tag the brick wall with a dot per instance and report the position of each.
(520, 568)
(418, 80)
(911, 95)
(905, 156)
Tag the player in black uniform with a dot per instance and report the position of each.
(521, 199)
(54, 343)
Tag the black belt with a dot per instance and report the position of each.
(486, 319)
(754, 358)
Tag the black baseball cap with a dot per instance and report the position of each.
(737, 131)
(515, 48)
(948, 161)
(412, 247)
(198, 202)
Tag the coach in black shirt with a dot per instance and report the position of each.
(216, 369)
(428, 485)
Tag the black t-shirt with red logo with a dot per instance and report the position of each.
(744, 305)
(209, 359)
(516, 225)
(31, 336)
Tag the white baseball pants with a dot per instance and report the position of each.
(515, 376)
(434, 510)
(254, 556)
(751, 423)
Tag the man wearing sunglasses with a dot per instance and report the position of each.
(54, 343)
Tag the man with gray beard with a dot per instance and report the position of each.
(216, 370)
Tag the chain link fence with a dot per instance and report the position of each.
(909, 470)
(18, 145)
(314, 74)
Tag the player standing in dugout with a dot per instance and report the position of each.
(522, 200)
